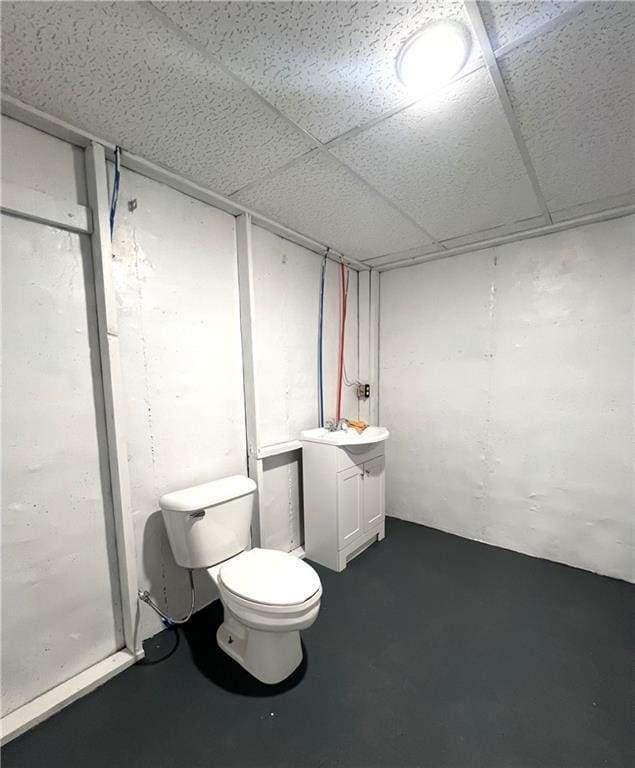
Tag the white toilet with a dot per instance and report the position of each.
(268, 596)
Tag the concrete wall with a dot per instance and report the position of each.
(286, 294)
(286, 298)
(506, 380)
(175, 268)
(175, 275)
(60, 595)
(41, 162)
(176, 281)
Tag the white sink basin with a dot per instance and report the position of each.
(345, 438)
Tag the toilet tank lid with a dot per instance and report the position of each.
(207, 495)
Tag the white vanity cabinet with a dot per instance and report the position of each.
(344, 501)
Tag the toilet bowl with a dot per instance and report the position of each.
(268, 596)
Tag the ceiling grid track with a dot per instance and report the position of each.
(359, 167)
(499, 53)
(546, 229)
(383, 197)
(332, 158)
(350, 134)
(199, 48)
(541, 29)
(279, 169)
(317, 144)
(491, 63)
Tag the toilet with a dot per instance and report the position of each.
(268, 596)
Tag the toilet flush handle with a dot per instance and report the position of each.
(198, 513)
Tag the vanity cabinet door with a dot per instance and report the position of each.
(349, 505)
(374, 492)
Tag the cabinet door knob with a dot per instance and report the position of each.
(367, 471)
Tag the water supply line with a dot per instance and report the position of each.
(144, 596)
(115, 189)
(344, 280)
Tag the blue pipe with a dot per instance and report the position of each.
(115, 190)
(320, 346)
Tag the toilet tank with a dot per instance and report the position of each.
(209, 523)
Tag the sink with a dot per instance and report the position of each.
(349, 438)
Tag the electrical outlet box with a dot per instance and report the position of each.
(363, 391)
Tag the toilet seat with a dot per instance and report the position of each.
(274, 618)
(270, 591)
(270, 579)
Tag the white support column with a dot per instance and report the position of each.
(247, 328)
(373, 344)
(368, 319)
(97, 183)
(363, 339)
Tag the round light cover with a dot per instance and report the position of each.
(433, 55)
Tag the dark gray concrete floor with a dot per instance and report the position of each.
(430, 650)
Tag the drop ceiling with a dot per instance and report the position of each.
(294, 109)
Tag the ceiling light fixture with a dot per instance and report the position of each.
(433, 55)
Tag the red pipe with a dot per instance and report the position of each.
(343, 329)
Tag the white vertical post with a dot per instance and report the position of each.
(373, 343)
(247, 328)
(97, 182)
(363, 339)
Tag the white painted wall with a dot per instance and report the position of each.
(35, 160)
(506, 381)
(286, 310)
(176, 281)
(175, 274)
(286, 295)
(60, 593)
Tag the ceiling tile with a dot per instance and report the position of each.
(318, 197)
(507, 21)
(329, 66)
(572, 90)
(115, 70)
(450, 161)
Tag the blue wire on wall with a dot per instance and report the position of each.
(320, 345)
(115, 189)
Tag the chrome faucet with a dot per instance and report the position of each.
(336, 426)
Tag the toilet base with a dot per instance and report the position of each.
(269, 656)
